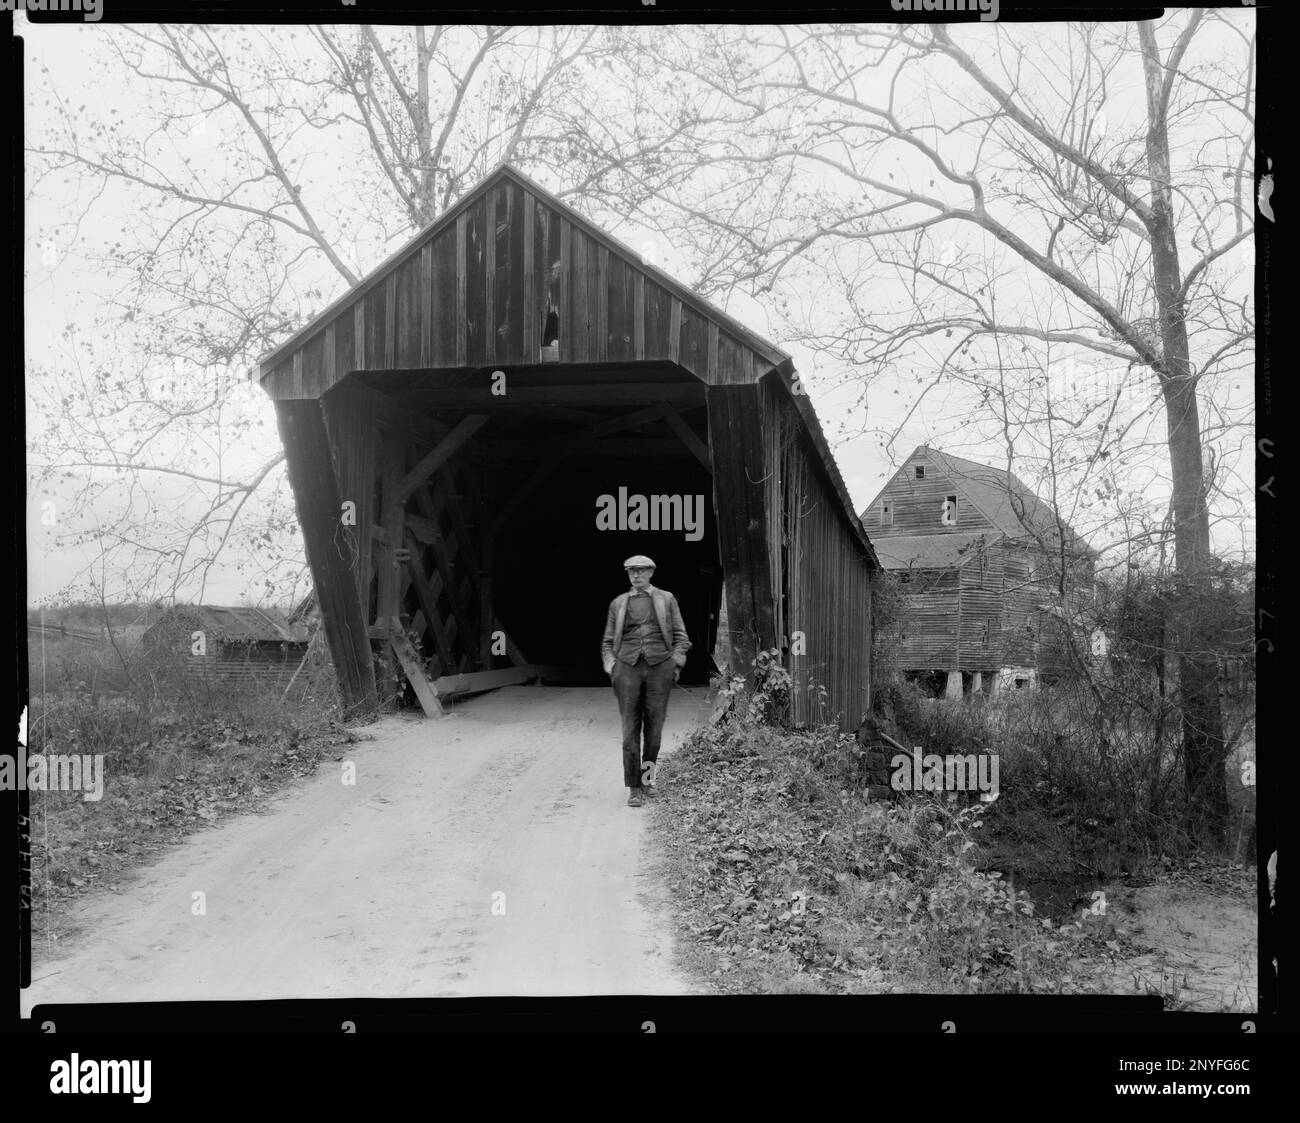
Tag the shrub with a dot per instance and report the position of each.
(895, 898)
(1088, 780)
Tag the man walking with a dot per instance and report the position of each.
(643, 652)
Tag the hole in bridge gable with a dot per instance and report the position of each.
(550, 342)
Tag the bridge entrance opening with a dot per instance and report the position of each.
(524, 531)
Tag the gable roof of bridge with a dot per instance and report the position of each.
(685, 327)
(448, 219)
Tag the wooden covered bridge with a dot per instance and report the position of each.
(482, 429)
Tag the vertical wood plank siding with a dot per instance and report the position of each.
(693, 349)
(423, 305)
(479, 291)
(376, 327)
(598, 295)
(533, 300)
(580, 310)
(443, 312)
(562, 287)
(822, 578)
(407, 326)
(658, 308)
(389, 350)
(311, 473)
(730, 364)
(638, 313)
(621, 315)
(490, 274)
(280, 381)
(345, 347)
(739, 466)
(459, 325)
(354, 440)
(476, 284)
(511, 319)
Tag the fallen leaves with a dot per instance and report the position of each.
(785, 876)
(187, 774)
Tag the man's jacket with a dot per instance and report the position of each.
(670, 624)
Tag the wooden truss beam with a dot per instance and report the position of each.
(488, 680)
(444, 450)
(425, 690)
(443, 557)
(565, 447)
(688, 437)
(426, 592)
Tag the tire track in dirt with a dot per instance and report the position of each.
(385, 888)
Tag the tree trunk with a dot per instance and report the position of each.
(1204, 753)
(427, 194)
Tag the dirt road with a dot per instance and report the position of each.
(488, 853)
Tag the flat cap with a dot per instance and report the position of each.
(639, 561)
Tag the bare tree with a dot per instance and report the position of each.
(995, 240)
(258, 172)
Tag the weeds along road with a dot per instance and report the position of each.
(387, 888)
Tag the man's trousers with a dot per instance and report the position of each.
(642, 692)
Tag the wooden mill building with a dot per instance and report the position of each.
(991, 574)
(482, 429)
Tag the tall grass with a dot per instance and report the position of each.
(178, 755)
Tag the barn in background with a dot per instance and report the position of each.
(994, 579)
(482, 429)
(220, 646)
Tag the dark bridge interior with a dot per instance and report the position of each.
(557, 572)
(535, 471)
